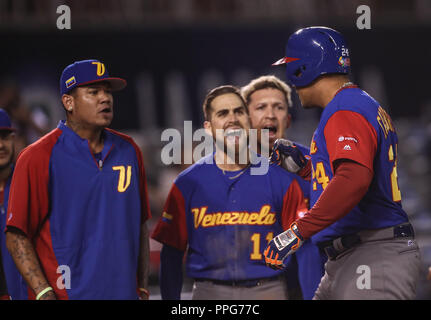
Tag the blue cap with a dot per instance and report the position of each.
(86, 72)
(5, 121)
(315, 51)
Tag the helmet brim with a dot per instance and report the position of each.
(284, 60)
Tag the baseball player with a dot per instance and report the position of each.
(223, 215)
(356, 214)
(13, 280)
(268, 100)
(76, 225)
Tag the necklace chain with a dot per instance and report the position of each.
(237, 175)
(345, 84)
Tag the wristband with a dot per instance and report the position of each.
(40, 294)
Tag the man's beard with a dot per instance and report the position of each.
(235, 152)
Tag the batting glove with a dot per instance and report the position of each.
(281, 246)
(288, 155)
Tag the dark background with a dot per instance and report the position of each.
(401, 55)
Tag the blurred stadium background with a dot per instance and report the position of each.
(172, 51)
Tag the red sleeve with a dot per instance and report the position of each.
(350, 136)
(294, 205)
(305, 173)
(28, 204)
(171, 228)
(348, 186)
(145, 204)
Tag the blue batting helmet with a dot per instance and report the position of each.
(314, 51)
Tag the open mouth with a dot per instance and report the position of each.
(234, 135)
(106, 110)
(271, 129)
(233, 132)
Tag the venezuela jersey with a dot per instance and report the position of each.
(226, 219)
(83, 216)
(354, 126)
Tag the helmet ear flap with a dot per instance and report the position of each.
(298, 73)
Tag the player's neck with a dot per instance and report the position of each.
(327, 88)
(93, 135)
(224, 162)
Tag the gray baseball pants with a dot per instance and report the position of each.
(373, 270)
(270, 290)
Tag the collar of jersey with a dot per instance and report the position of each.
(107, 143)
(255, 159)
(333, 103)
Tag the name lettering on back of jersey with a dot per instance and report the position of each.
(205, 220)
(385, 121)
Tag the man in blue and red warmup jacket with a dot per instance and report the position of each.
(76, 225)
(13, 280)
(356, 214)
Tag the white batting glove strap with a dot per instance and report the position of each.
(285, 142)
(284, 239)
(289, 164)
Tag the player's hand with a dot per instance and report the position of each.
(288, 155)
(281, 246)
(143, 294)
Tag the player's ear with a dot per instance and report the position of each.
(288, 120)
(207, 126)
(68, 102)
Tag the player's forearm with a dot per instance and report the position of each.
(25, 258)
(346, 189)
(144, 258)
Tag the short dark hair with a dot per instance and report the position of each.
(214, 93)
(72, 92)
